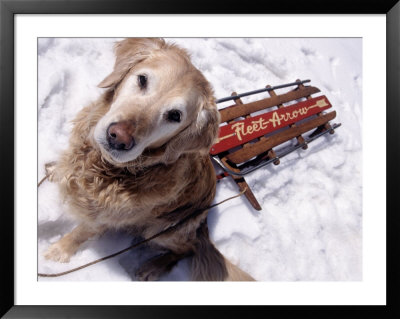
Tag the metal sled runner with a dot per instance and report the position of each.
(249, 132)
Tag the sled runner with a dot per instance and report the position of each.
(256, 134)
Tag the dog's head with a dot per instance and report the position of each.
(160, 102)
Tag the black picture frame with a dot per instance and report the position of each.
(9, 8)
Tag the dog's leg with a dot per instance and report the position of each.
(157, 266)
(63, 249)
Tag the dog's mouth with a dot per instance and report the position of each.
(118, 154)
(124, 158)
(113, 151)
(127, 153)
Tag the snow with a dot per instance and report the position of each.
(310, 227)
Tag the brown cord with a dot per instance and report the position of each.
(42, 180)
(170, 228)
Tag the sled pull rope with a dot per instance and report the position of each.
(237, 96)
(168, 229)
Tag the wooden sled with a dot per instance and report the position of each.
(246, 140)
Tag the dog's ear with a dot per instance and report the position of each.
(198, 136)
(128, 53)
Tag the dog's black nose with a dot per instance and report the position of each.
(119, 135)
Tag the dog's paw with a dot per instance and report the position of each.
(148, 274)
(57, 252)
(155, 267)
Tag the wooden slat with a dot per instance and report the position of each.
(245, 154)
(300, 139)
(230, 113)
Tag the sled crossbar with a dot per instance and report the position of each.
(250, 134)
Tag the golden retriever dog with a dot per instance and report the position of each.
(138, 161)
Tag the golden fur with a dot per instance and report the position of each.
(166, 176)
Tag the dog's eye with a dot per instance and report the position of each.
(174, 116)
(142, 81)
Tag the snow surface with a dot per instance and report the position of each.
(310, 228)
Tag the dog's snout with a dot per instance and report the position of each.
(119, 135)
